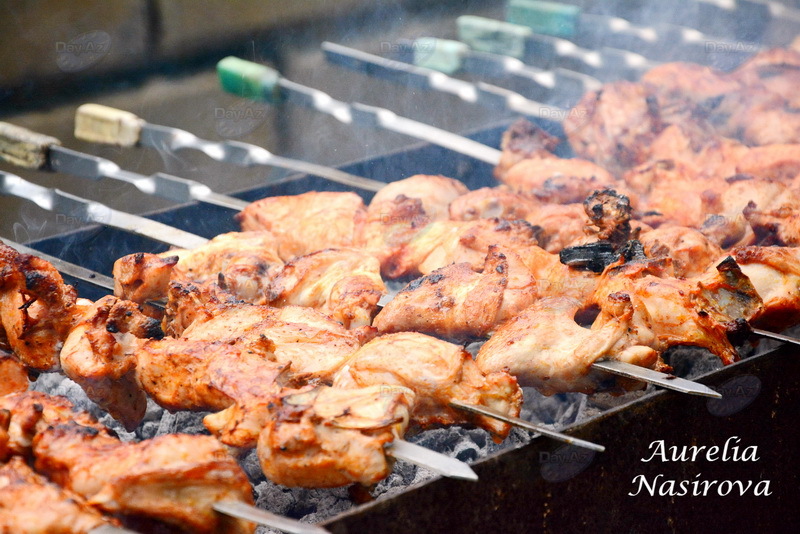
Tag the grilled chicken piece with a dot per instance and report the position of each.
(30, 504)
(777, 69)
(438, 372)
(561, 225)
(31, 412)
(344, 284)
(493, 202)
(328, 220)
(559, 180)
(668, 311)
(435, 192)
(690, 80)
(330, 437)
(615, 126)
(244, 263)
(775, 162)
(457, 302)
(401, 210)
(36, 309)
(545, 348)
(775, 273)
(445, 242)
(99, 354)
(141, 277)
(775, 227)
(173, 478)
(523, 140)
(13, 375)
(691, 251)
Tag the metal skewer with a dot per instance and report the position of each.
(451, 57)
(657, 378)
(111, 529)
(485, 94)
(664, 42)
(516, 421)
(25, 148)
(773, 335)
(247, 512)
(520, 42)
(259, 82)
(103, 124)
(89, 211)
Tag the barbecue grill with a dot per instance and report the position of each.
(531, 484)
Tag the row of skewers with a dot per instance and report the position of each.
(280, 268)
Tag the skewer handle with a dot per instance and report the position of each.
(24, 148)
(249, 80)
(102, 124)
(549, 18)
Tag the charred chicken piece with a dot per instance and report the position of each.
(141, 277)
(777, 69)
(344, 284)
(329, 220)
(36, 309)
(544, 347)
(457, 302)
(774, 162)
(435, 192)
(173, 478)
(330, 437)
(31, 504)
(445, 242)
(438, 372)
(706, 311)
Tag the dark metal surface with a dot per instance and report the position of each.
(542, 487)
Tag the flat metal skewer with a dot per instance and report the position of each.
(89, 211)
(773, 335)
(111, 529)
(657, 378)
(431, 460)
(545, 51)
(247, 512)
(259, 82)
(33, 150)
(516, 421)
(663, 42)
(482, 93)
(451, 57)
(102, 124)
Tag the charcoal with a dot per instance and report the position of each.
(593, 257)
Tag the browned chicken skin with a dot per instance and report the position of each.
(329, 437)
(344, 284)
(36, 308)
(329, 220)
(173, 478)
(30, 504)
(438, 372)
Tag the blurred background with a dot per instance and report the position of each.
(156, 58)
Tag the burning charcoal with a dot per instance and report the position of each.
(592, 257)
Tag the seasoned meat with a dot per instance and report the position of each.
(491, 203)
(523, 140)
(330, 437)
(438, 372)
(31, 504)
(328, 220)
(344, 284)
